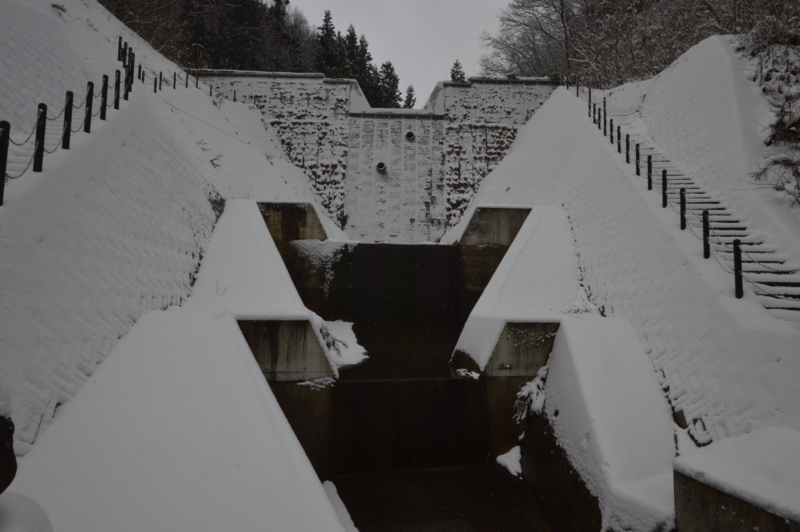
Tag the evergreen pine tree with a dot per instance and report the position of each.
(457, 73)
(411, 98)
(389, 83)
(331, 59)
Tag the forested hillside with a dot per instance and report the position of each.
(255, 35)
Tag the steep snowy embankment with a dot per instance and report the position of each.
(710, 119)
(725, 364)
(115, 226)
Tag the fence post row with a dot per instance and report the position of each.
(5, 135)
(104, 98)
(87, 123)
(38, 154)
(737, 268)
(706, 235)
(664, 189)
(67, 121)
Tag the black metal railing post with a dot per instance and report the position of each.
(186, 75)
(664, 189)
(619, 139)
(126, 87)
(155, 84)
(160, 81)
(611, 132)
(683, 209)
(706, 236)
(590, 101)
(5, 136)
(638, 172)
(174, 80)
(87, 122)
(577, 88)
(119, 48)
(649, 172)
(234, 96)
(67, 121)
(737, 268)
(38, 154)
(116, 90)
(104, 98)
(125, 53)
(605, 117)
(131, 62)
(628, 148)
(139, 73)
(197, 82)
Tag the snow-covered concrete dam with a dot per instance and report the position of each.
(408, 420)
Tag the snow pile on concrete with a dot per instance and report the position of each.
(535, 282)
(761, 468)
(725, 364)
(19, 513)
(115, 226)
(243, 273)
(512, 461)
(609, 415)
(177, 430)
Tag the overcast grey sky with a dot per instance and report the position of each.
(422, 38)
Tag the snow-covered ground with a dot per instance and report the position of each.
(112, 232)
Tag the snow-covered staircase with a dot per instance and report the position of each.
(774, 277)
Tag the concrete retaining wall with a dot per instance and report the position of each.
(703, 508)
(328, 129)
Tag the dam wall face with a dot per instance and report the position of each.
(389, 175)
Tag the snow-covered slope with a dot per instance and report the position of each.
(709, 118)
(115, 226)
(725, 364)
(177, 430)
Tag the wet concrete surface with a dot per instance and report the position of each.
(472, 498)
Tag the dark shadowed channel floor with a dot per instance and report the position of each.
(471, 498)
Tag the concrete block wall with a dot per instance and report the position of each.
(310, 116)
(482, 119)
(407, 203)
(329, 130)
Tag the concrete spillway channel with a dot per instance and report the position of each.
(409, 444)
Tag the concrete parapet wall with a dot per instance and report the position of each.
(703, 508)
(494, 225)
(286, 350)
(292, 221)
(522, 349)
